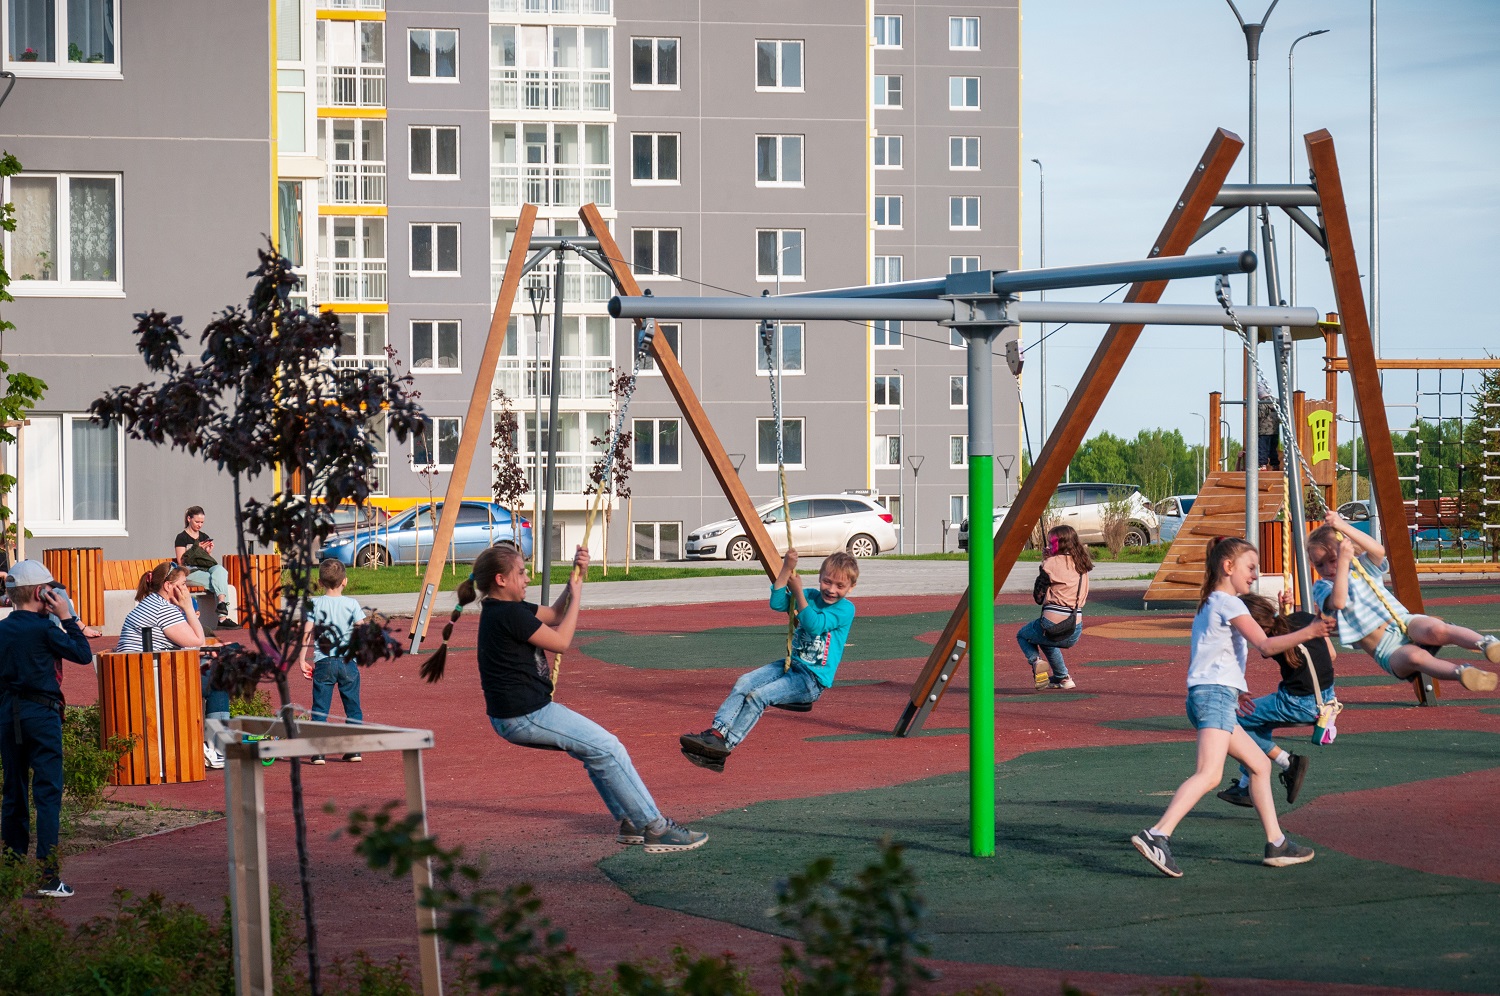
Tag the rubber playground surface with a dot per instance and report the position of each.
(1404, 893)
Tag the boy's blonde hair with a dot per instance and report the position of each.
(331, 574)
(1323, 538)
(844, 564)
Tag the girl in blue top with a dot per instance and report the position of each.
(1216, 678)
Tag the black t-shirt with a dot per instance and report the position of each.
(187, 542)
(1296, 679)
(515, 675)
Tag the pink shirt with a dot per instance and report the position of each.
(1069, 588)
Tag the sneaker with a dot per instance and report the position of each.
(223, 610)
(1061, 684)
(317, 759)
(1158, 850)
(1476, 679)
(709, 743)
(1236, 795)
(672, 837)
(716, 766)
(1490, 647)
(57, 889)
(354, 758)
(630, 834)
(1042, 680)
(1289, 853)
(1293, 775)
(212, 757)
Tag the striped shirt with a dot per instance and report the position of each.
(1363, 612)
(154, 613)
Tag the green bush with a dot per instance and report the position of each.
(258, 704)
(86, 765)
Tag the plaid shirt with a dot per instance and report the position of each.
(1363, 612)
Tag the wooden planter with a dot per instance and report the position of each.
(263, 572)
(81, 571)
(158, 700)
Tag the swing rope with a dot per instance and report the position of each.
(769, 342)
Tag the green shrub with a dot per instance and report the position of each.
(258, 704)
(87, 766)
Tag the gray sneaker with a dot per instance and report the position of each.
(710, 743)
(1235, 795)
(672, 837)
(1289, 853)
(1158, 850)
(630, 834)
(56, 889)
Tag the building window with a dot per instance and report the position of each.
(434, 250)
(958, 451)
(434, 153)
(963, 212)
(963, 264)
(958, 509)
(778, 254)
(433, 55)
(963, 93)
(887, 451)
(887, 269)
(786, 349)
(963, 32)
(778, 160)
(887, 151)
(958, 392)
(887, 30)
(658, 443)
(887, 390)
(49, 38)
(437, 446)
(656, 251)
(963, 152)
(791, 443)
(71, 474)
(887, 333)
(658, 540)
(888, 211)
(778, 65)
(435, 346)
(671, 334)
(653, 62)
(362, 341)
(887, 91)
(66, 240)
(956, 340)
(653, 158)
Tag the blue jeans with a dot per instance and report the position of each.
(1032, 639)
(1212, 707)
(329, 672)
(762, 687)
(37, 761)
(215, 579)
(1280, 709)
(604, 757)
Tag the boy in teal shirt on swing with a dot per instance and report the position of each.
(824, 619)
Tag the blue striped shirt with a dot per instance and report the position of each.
(1363, 612)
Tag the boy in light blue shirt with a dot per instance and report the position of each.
(824, 619)
(330, 625)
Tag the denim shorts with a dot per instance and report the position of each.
(1213, 707)
(1392, 640)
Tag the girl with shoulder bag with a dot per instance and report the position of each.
(1061, 589)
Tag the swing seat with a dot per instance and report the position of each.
(793, 706)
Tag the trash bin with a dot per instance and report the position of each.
(158, 700)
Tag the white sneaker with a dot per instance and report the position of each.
(212, 757)
(1489, 646)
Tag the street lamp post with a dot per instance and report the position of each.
(1006, 462)
(916, 497)
(900, 455)
(1291, 169)
(1202, 461)
(537, 292)
(1067, 394)
(1041, 338)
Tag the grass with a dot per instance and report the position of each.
(407, 579)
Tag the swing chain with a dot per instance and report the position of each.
(770, 344)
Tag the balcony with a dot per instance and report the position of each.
(582, 284)
(377, 361)
(600, 8)
(514, 89)
(351, 281)
(550, 186)
(354, 183)
(351, 86)
(583, 378)
(351, 4)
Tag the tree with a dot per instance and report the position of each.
(509, 482)
(1161, 463)
(263, 403)
(22, 391)
(1104, 458)
(612, 470)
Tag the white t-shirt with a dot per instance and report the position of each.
(1218, 650)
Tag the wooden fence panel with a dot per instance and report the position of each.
(81, 571)
(263, 571)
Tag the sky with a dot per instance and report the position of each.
(1119, 100)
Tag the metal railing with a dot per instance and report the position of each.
(596, 7)
(584, 378)
(570, 186)
(352, 281)
(514, 89)
(371, 362)
(351, 86)
(580, 285)
(354, 183)
(351, 4)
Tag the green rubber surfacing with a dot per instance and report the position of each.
(1067, 891)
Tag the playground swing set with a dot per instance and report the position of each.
(982, 306)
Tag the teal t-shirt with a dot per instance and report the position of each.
(334, 618)
(822, 630)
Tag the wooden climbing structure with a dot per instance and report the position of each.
(1219, 511)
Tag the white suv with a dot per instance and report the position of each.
(1082, 507)
(821, 524)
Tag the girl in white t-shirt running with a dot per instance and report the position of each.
(1216, 678)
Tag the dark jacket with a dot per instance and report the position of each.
(30, 645)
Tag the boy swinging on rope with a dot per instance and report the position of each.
(824, 619)
(1371, 619)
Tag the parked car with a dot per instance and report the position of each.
(999, 514)
(821, 524)
(1171, 512)
(346, 518)
(406, 538)
(1082, 507)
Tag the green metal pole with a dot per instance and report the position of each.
(981, 654)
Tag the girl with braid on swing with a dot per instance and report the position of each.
(1370, 618)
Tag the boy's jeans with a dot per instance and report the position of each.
(1031, 638)
(1280, 708)
(557, 727)
(333, 671)
(762, 687)
(40, 757)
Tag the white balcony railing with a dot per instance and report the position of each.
(550, 89)
(597, 7)
(584, 378)
(352, 281)
(351, 4)
(580, 286)
(571, 470)
(550, 186)
(351, 86)
(354, 183)
(374, 362)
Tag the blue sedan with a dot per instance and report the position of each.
(406, 538)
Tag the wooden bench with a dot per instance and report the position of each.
(125, 575)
